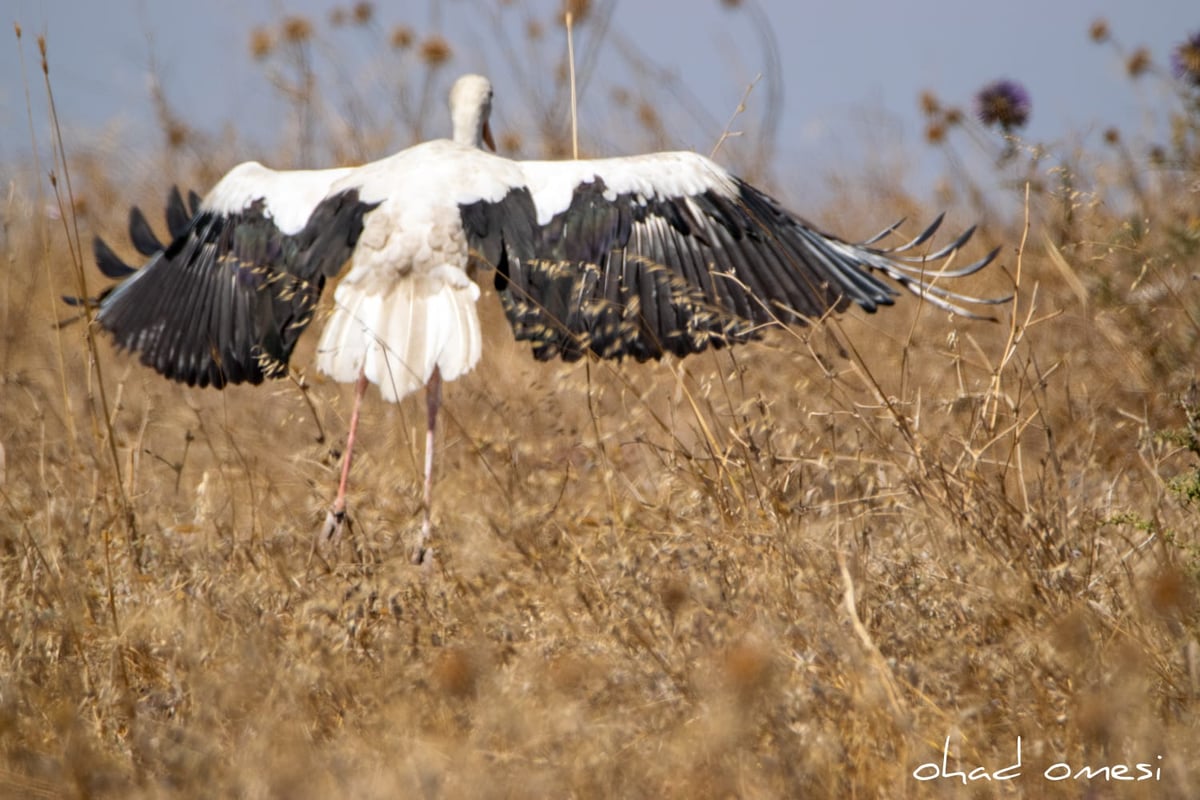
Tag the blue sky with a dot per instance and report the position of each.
(852, 71)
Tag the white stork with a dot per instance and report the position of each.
(638, 256)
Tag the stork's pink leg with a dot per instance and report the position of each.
(337, 515)
(433, 401)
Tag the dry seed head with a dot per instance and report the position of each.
(1095, 716)
(456, 672)
(363, 12)
(674, 593)
(747, 667)
(510, 142)
(1112, 136)
(177, 134)
(929, 103)
(1138, 62)
(1004, 103)
(578, 10)
(648, 116)
(435, 51)
(568, 672)
(261, 43)
(1171, 593)
(297, 29)
(402, 37)
(1072, 634)
(1099, 30)
(1185, 60)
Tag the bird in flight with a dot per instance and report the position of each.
(607, 258)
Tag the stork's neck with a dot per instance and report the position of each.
(468, 124)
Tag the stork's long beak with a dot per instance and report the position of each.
(487, 136)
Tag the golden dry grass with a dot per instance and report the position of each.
(793, 570)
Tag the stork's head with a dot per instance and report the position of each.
(470, 107)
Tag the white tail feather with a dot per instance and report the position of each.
(400, 336)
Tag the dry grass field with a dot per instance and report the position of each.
(803, 568)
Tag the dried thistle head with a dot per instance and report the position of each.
(748, 668)
(929, 103)
(674, 593)
(935, 133)
(1099, 30)
(363, 12)
(510, 142)
(261, 43)
(402, 37)
(648, 116)
(456, 672)
(1185, 60)
(1112, 136)
(297, 29)
(578, 10)
(177, 134)
(1004, 103)
(435, 51)
(1138, 62)
(1171, 593)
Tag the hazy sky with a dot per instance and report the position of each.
(846, 65)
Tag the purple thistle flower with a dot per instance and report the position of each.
(1185, 61)
(1004, 103)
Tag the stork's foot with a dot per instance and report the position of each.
(336, 522)
(422, 554)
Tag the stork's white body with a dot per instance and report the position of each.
(406, 305)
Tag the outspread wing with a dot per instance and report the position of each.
(142, 235)
(669, 253)
(143, 238)
(227, 299)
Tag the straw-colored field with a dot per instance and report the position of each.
(795, 569)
